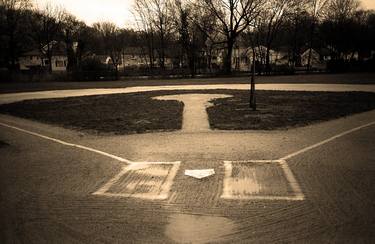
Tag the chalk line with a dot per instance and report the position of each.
(68, 144)
(326, 141)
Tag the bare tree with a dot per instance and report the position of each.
(251, 36)
(233, 17)
(190, 37)
(297, 26)
(156, 18)
(144, 23)
(317, 10)
(71, 29)
(110, 36)
(14, 13)
(47, 30)
(343, 29)
(274, 15)
(342, 9)
(206, 25)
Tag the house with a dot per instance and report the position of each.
(316, 60)
(138, 57)
(134, 57)
(37, 60)
(242, 57)
(104, 59)
(31, 60)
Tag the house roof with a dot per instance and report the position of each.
(58, 49)
(321, 51)
(34, 52)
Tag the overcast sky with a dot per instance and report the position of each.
(116, 11)
(91, 11)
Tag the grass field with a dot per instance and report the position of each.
(118, 114)
(139, 113)
(281, 109)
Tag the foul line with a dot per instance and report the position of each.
(68, 144)
(103, 190)
(298, 194)
(326, 141)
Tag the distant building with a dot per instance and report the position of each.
(134, 57)
(36, 60)
(317, 60)
(242, 57)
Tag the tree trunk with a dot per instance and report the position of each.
(228, 58)
(311, 46)
(268, 66)
(162, 49)
(12, 52)
(253, 104)
(150, 44)
(116, 72)
(49, 57)
(192, 64)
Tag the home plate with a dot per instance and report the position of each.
(199, 173)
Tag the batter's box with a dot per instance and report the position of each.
(260, 179)
(146, 180)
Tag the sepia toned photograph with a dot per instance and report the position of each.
(187, 121)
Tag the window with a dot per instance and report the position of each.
(59, 63)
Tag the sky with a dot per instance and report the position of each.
(91, 11)
(116, 11)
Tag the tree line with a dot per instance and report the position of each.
(193, 32)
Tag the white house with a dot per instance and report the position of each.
(242, 57)
(35, 59)
(315, 59)
(134, 57)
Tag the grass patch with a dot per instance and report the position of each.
(285, 109)
(116, 114)
(139, 113)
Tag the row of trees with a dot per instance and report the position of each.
(341, 27)
(24, 27)
(193, 29)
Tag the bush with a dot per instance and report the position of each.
(340, 65)
(92, 69)
(93, 64)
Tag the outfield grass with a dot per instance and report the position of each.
(286, 109)
(118, 114)
(139, 113)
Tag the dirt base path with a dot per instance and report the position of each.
(195, 118)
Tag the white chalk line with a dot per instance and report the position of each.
(228, 170)
(68, 144)
(102, 191)
(298, 194)
(326, 141)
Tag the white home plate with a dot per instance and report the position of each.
(199, 173)
(146, 180)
